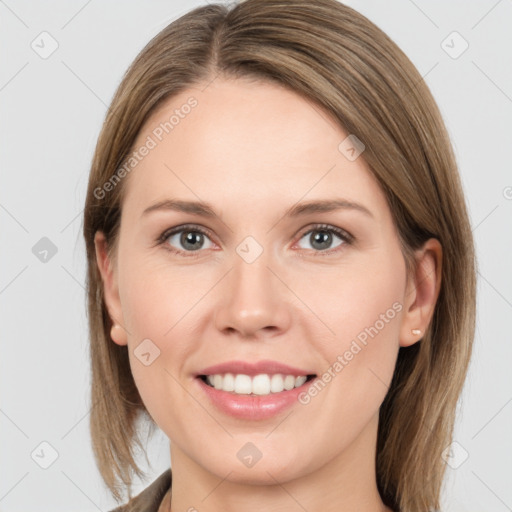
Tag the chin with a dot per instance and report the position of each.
(265, 471)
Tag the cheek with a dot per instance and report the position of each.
(361, 298)
(155, 303)
(156, 298)
(371, 306)
(362, 305)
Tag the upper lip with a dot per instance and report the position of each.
(247, 368)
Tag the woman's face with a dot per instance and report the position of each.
(266, 282)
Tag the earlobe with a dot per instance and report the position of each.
(110, 289)
(118, 335)
(422, 293)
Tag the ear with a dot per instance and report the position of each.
(422, 291)
(110, 289)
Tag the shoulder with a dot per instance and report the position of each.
(150, 498)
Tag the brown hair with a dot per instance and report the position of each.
(334, 56)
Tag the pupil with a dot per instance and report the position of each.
(188, 239)
(321, 237)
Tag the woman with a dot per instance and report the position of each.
(281, 271)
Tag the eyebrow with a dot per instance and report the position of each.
(206, 210)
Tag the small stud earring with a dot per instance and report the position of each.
(416, 331)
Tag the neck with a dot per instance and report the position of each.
(346, 482)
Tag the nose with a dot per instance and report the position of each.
(254, 301)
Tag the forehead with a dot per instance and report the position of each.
(250, 142)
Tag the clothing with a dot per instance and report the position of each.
(150, 499)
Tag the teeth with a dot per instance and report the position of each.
(261, 384)
(228, 383)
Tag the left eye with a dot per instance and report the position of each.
(322, 237)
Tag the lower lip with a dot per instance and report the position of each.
(253, 407)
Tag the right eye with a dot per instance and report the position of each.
(188, 238)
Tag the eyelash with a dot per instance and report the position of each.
(347, 238)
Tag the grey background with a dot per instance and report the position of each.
(52, 111)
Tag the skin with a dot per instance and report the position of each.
(252, 150)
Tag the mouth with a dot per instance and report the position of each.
(262, 384)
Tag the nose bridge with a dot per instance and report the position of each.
(253, 296)
(251, 277)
